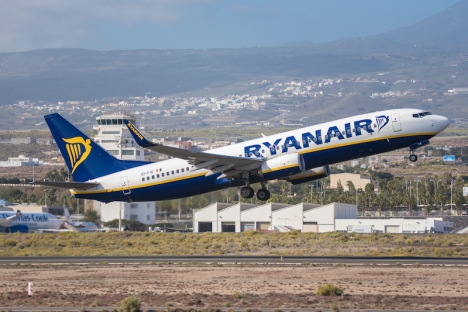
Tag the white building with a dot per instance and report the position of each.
(221, 217)
(112, 134)
(21, 161)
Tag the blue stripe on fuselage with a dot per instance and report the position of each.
(204, 184)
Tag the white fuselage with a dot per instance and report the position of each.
(319, 145)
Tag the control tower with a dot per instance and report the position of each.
(112, 134)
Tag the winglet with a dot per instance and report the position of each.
(139, 138)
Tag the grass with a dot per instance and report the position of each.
(246, 243)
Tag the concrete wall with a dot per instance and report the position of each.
(323, 215)
(257, 214)
(404, 225)
(289, 216)
(230, 214)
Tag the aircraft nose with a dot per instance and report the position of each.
(440, 122)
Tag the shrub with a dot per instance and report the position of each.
(328, 290)
(10, 243)
(334, 307)
(238, 295)
(6, 296)
(130, 304)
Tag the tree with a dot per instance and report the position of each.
(458, 197)
(369, 194)
(380, 200)
(91, 215)
(441, 196)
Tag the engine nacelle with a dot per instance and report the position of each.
(282, 166)
(310, 175)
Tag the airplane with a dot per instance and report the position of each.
(297, 156)
(79, 226)
(11, 222)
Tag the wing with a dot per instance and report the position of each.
(67, 185)
(229, 165)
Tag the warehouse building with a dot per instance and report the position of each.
(305, 217)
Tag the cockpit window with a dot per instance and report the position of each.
(421, 115)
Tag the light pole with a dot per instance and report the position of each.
(356, 197)
(417, 192)
(451, 193)
(45, 197)
(311, 191)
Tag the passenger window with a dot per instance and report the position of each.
(183, 168)
(162, 174)
(326, 136)
(157, 176)
(343, 133)
(251, 154)
(349, 131)
(311, 140)
(147, 178)
(152, 177)
(375, 125)
(167, 173)
(272, 148)
(177, 171)
(354, 130)
(172, 172)
(263, 151)
(314, 139)
(142, 179)
(246, 155)
(277, 147)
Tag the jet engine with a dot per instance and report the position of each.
(309, 175)
(282, 166)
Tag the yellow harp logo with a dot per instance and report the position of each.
(78, 150)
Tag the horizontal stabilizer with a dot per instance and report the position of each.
(67, 185)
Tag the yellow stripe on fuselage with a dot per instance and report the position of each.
(142, 185)
(309, 150)
(334, 145)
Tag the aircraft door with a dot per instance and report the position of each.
(125, 185)
(396, 122)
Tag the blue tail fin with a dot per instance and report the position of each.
(85, 159)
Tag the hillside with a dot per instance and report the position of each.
(444, 30)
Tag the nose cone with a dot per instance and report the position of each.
(440, 122)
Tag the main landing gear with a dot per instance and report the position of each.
(262, 194)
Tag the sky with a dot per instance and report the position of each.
(199, 24)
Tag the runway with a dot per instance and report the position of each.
(239, 259)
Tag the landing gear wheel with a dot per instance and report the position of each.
(413, 158)
(263, 194)
(247, 192)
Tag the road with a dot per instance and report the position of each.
(238, 259)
